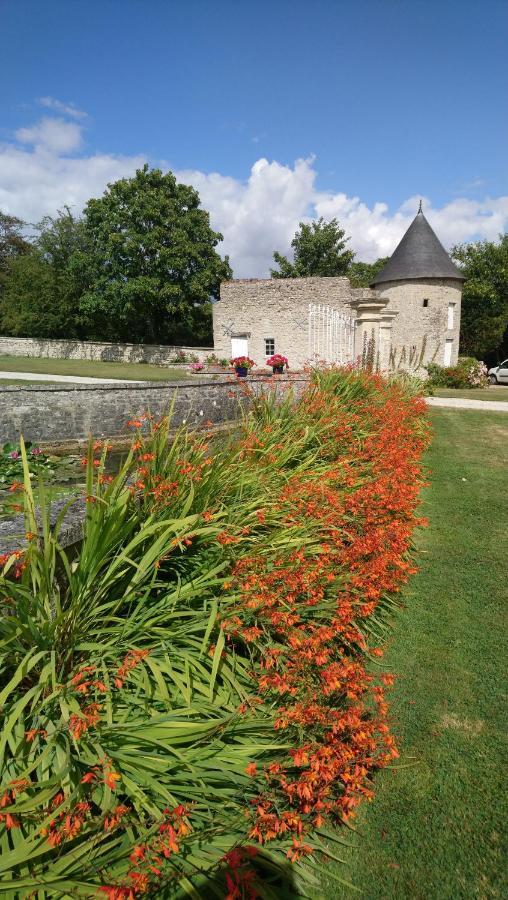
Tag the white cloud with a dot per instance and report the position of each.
(66, 109)
(262, 214)
(55, 135)
(255, 216)
(38, 182)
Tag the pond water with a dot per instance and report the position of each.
(69, 481)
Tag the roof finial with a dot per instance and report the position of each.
(420, 207)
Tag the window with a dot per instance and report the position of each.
(425, 301)
(448, 351)
(269, 346)
(451, 313)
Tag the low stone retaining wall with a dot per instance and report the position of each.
(157, 354)
(64, 412)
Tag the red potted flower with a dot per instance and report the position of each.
(242, 364)
(277, 362)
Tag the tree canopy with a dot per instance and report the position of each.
(140, 265)
(484, 317)
(319, 249)
(42, 293)
(362, 274)
(151, 260)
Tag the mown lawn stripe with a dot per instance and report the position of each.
(435, 829)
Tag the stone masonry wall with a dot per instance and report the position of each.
(157, 354)
(274, 308)
(419, 326)
(53, 413)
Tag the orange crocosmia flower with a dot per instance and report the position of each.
(138, 853)
(115, 817)
(224, 538)
(89, 778)
(251, 769)
(32, 733)
(117, 893)
(110, 779)
(10, 820)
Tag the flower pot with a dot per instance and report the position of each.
(241, 371)
(278, 370)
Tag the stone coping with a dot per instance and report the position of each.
(194, 382)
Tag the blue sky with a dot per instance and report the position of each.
(385, 100)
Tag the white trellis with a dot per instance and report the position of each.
(331, 334)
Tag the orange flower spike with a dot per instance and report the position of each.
(89, 778)
(110, 779)
(32, 733)
(138, 854)
(252, 769)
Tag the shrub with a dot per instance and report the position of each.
(468, 372)
(187, 700)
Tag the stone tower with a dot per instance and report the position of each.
(424, 287)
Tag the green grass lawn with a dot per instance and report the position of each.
(490, 393)
(434, 829)
(92, 369)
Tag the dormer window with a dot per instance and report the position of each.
(425, 301)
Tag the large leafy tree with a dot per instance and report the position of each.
(43, 287)
(151, 260)
(13, 244)
(484, 318)
(362, 274)
(319, 248)
(12, 241)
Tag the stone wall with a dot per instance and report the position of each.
(53, 413)
(157, 354)
(274, 308)
(422, 327)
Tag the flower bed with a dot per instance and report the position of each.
(194, 700)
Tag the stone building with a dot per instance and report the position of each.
(410, 315)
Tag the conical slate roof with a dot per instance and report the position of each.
(419, 255)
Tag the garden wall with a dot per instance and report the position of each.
(63, 412)
(157, 354)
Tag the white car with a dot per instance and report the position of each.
(499, 374)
